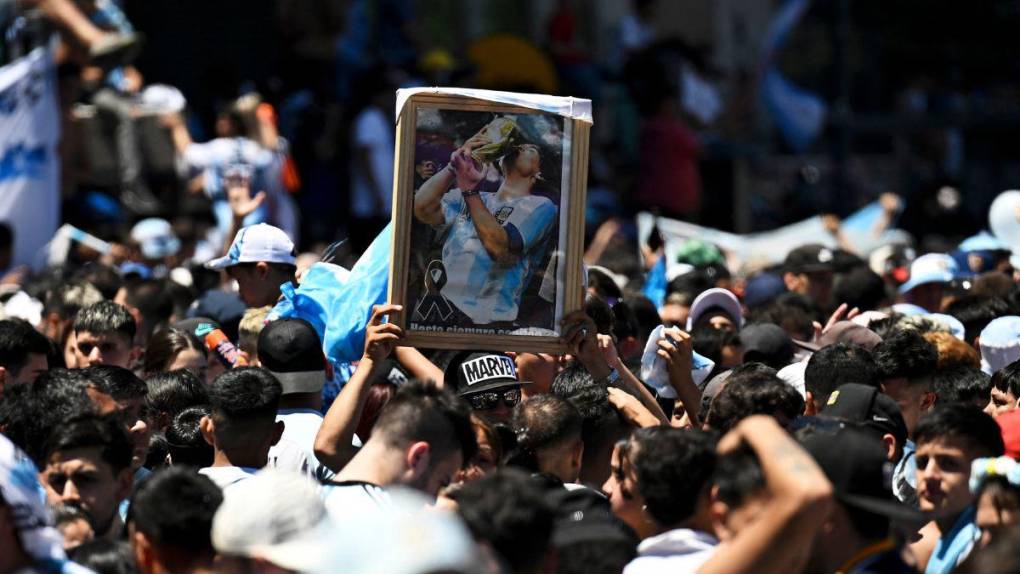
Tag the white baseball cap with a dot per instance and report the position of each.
(716, 297)
(1000, 343)
(277, 516)
(259, 242)
(930, 268)
(156, 238)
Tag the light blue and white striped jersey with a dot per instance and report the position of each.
(484, 290)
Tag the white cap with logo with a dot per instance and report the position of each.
(259, 242)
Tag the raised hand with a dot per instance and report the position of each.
(381, 338)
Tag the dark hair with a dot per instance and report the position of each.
(709, 341)
(105, 317)
(689, 285)
(422, 411)
(30, 412)
(961, 385)
(860, 287)
(905, 354)
(104, 278)
(153, 300)
(542, 422)
(625, 322)
(595, 556)
(175, 507)
(673, 468)
(122, 384)
(244, 403)
(90, 431)
(752, 395)
(105, 556)
(788, 312)
(976, 312)
(1007, 379)
(508, 510)
(6, 235)
(603, 284)
(17, 340)
(601, 313)
(738, 477)
(999, 557)
(164, 346)
(836, 365)
(965, 422)
(171, 392)
(185, 443)
(65, 299)
(598, 417)
(646, 315)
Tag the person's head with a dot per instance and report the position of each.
(170, 520)
(948, 440)
(855, 463)
(248, 330)
(866, 408)
(105, 335)
(489, 455)
(185, 444)
(524, 160)
(171, 349)
(149, 302)
(601, 425)
(906, 365)
(929, 275)
(588, 537)
(274, 521)
(962, 385)
(717, 308)
(722, 346)
(548, 432)
(290, 350)
(23, 353)
(861, 288)
(738, 492)
(953, 352)
(508, 511)
(767, 343)
(424, 435)
(260, 259)
(1005, 390)
(836, 365)
(105, 556)
(171, 392)
(242, 423)
(976, 312)
(129, 392)
(62, 304)
(751, 395)
(996, 486)
(31, 413)
(487, 381)
(88, 464)
(660, 480)
(808, 270)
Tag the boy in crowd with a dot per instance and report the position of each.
(23, 353)
(105, 335)
(242, 426)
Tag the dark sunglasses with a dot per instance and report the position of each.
(489, 399)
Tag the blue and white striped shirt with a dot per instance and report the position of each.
(485, 290)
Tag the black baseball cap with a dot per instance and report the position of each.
(584, 515)
(865, 405)
(477, 371)
(854, 461)
(767, 343)
(810, 259)
(289, 348)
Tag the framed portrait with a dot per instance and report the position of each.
(488, 218)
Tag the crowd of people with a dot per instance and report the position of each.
(812, 416)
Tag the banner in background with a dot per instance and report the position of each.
(863, 229)
(29, 165)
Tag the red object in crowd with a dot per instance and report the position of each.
(220, 346)
(1010, 425)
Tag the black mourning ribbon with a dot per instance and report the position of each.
(434, 306)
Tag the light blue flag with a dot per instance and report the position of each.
(337, 302)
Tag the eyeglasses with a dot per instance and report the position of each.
(490, 399)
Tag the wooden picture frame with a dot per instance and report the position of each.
(466, 304)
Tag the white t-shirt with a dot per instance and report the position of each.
(373, 131)
(351, 500)
(289, 455)
(679, 551)
(300, 428)
(227, 476)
